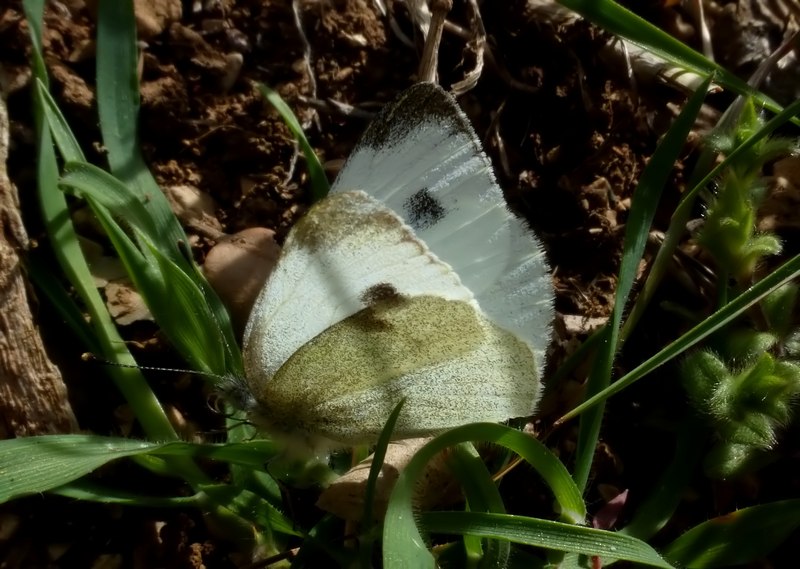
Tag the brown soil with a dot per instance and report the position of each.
(569, 135)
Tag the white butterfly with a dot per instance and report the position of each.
(411, 279)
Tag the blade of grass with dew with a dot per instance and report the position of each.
(683, 212)
(403, 545)
(547, 534)
(319, 182)
(741, 537)
(620, 21)
(645, 201)
(785, 273)
(37, 464)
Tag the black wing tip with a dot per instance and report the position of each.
(422, 103)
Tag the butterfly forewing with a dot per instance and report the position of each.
(422, 158)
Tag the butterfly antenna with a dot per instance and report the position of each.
(90, 357)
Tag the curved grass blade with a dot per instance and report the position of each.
(482, 495)
(403, 545)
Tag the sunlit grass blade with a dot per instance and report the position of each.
(738, 538)
(319, 182)
(62, 135)
(403, 545)
(785, 273)
(622, 22)
(645, 202)
(546, 534)
(118, 108)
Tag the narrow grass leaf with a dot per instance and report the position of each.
(62, 135)
(85, 179)
(91, 492)
(118, 109)
(546, 534)
(622, 22)
(319, 182)
(677, 225)
(645, 202)
(785, 273)
(378, 457)
(38, 464)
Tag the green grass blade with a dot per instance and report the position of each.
(547, 534)
(319, 181)
(677, 225)
(403, 546)
(645, 202)
(622, 22)
(62, 135)
(118, 108)
(90, 492)
(785, 273)
(37, 464)
(378, 457)
(64, 241)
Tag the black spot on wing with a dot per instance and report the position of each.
(423, 210)
(380, 292)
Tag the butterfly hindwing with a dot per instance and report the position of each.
(346, 251)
